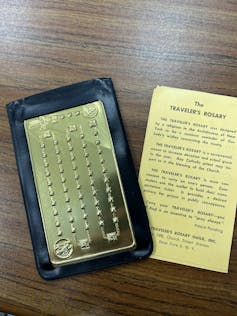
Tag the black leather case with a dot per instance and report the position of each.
(56, 100)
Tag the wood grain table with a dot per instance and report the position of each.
(46, 44)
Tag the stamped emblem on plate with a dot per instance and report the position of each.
(90, 111)
(63, 248)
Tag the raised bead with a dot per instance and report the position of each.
(106, 179)
(59, 232)
(110, 199)
(47, 134)
(47, 173)
(96, 202)
(93, 123)
(115, 219)
(51, 192)
(99, 213)
(108, 189)
(72, 128)
(113, 209)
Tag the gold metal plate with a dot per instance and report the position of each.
(78, 185)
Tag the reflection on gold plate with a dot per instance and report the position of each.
(78, 185)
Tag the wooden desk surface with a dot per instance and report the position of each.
(45, 44)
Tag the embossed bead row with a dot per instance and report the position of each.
(112, 235)
(84, 243)
(64, 185)
(92, 182)
(47, 134)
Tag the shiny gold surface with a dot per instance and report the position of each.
(78, 185)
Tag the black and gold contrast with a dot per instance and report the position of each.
(83, 202)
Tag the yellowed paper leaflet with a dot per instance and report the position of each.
(188, 176)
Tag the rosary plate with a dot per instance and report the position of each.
(78, 184)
